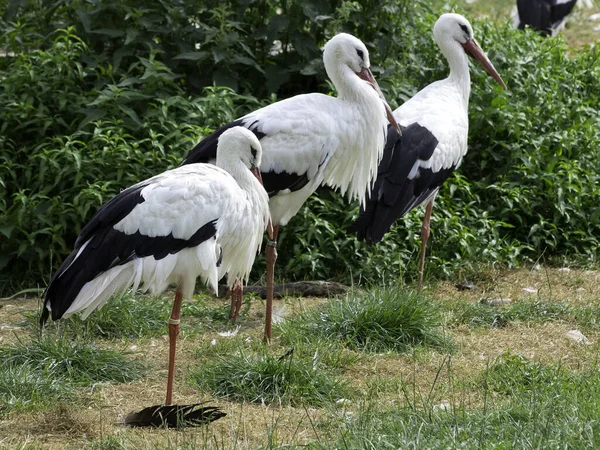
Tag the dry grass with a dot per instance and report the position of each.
(420, 376)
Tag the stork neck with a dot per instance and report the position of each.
(349, 86)
(243, 176)
(459, 65)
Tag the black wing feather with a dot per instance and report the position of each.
(559, 12)
(174, 416)
(394, 193)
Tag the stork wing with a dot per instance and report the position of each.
(294, 136)
(158, 217)
(402, 183)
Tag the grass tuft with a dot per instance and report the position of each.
(512, 374)
(133, 316)
(482, 314)
(378, 320)
(27, 388)
(266, 379)
(83, 364)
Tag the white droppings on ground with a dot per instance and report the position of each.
(530, 290)
(279, 314)
(230, 333)
(578, 336)
(499, 301)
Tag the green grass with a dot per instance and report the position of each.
(539, 407)
(130, 316)
(25, 388)
(484, 314)
(515, 374)
(259, 377)
(377, 320)
(36, 374)
(82, 363)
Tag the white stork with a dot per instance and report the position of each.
(434, 139)
(198, 220)
(546, 16)
(314, 139)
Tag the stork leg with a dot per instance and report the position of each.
(271, 256)
(237, 295)
(424, 237)
(173, 332)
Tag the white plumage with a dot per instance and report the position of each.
(198, 220)
(336, 141)
(434, 140)
(313, 139)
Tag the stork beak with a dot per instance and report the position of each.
(366, 75)
(256, 172)
(473, 48)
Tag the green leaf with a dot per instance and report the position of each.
(192, 56)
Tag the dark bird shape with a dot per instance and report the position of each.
(546, 16)
(174, 416)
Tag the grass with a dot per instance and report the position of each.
(260, 377)
(483, 313)
(24, 388)
(39, 373)
(379, 320)
(519, 385)
(542, 406)
(82, 363)
(135, 316)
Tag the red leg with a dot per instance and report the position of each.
(271, 256)
(232, 305)
(424, 237)
(173, 332)
(237, 295)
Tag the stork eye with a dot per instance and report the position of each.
(360, 53)
(254, 152)
(464, 28)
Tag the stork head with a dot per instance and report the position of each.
(454, 27)
(239, 144)
(346, 51)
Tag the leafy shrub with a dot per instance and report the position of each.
(121, 92)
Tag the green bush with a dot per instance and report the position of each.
(121, 92)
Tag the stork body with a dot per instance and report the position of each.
(313, 139)
(433, 143)
(194, 221)
(546, 16)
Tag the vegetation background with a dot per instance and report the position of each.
(96, 95)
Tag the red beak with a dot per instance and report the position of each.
(256, 172)
(366, 75)
(473, 48)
